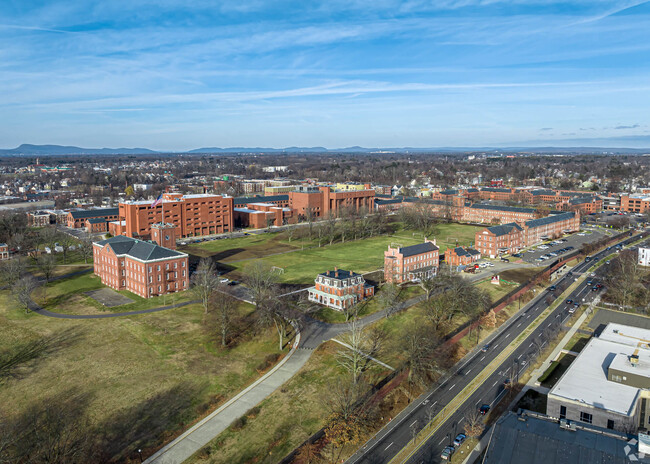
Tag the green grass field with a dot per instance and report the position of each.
(152, 374)
(302, 265)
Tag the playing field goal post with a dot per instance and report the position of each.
(279, 270)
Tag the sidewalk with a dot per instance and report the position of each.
(203, 432)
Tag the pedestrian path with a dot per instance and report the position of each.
(206, 430)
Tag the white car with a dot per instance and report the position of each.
(581, 234)
(48, 250)
(223, 281)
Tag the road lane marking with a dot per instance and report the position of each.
(468, 372)
(452, 386)
(391, 444)
(414, 422)
(495, 383)
(440, 442)
(482, 358)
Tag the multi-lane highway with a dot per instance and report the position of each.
(400, 431)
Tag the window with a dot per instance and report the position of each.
(158, 267)
(586, 417)
(610, 424)
(562, 412)
(159, 289)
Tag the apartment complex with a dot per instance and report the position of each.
(404, 264)
(339, 289)
(144, 268)
(495, 240)
(608, 384)
(193, 215)
(510, 238)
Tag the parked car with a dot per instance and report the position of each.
(516, 255)
(460, 438)
(223, 281)
(48, 250)
(484, 409)
(447, 453)
(233, 283)
(552, 288)
(505, 260)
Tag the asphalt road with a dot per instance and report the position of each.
(390, 440)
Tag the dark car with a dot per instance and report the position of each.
(569, 274)
(233, 283)
(447, 453)
(505, 260)
(595, 288)
(484, 409)
(569, 301)
(516, 255)
(589, 282)
(552, 288)
(485, 348)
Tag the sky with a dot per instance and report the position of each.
(178, 75)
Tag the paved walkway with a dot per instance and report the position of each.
(203, 432)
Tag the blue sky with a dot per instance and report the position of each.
(334, 73)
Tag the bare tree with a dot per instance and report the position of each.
(474, 425)
(418, 350)
(272, 311)
(388, 298)
(352, 358)
(225, 306)
(66, 243)
(204, 282)
(12, 270)
(47, 265)
(260, 279)
(22, 290)
(85, 248)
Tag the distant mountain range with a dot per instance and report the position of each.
(570, 146)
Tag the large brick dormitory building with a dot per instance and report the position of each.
(144, 268)
(404, 264)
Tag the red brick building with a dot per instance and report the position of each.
(260, 215)
(339, 289)
(495, 240)
(193, 215)
(4, 251)
(144, 268)
(637, 203)
(320, 202)
(77, 219)
(404, 264)
(510, 238)
(96, 225)
(460, 256)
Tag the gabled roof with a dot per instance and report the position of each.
(90, 213)
(418, 249)
(550, 219)
(97, 220)
(504, 229)
(495, 189)
(143, 251)
(514, 209)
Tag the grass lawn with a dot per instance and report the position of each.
(146, 378)
(249, 247)
(284, 420)
(68, 296)
(577, 342)
(555, 370)
(496, 291)
(446, 235)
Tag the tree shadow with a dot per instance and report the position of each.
(147, 424)
(19, 361)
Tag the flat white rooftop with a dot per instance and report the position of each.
(585, 381)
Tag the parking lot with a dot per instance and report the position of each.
(534, 254)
